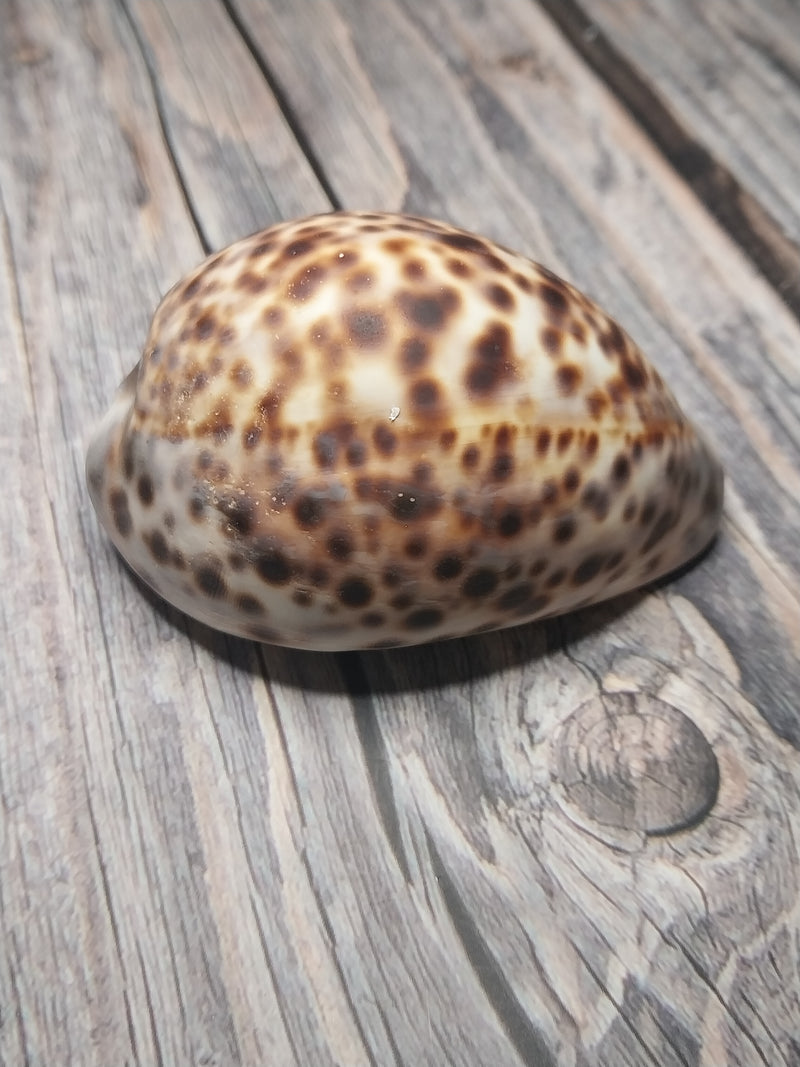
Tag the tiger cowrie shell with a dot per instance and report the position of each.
(364, 430)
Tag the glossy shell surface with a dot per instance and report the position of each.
(361, 430)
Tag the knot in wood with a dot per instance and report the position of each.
(631, 761)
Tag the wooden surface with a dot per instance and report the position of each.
(573, 843)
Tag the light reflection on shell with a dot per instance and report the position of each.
(361, 430)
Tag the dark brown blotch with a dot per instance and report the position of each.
(500, 297)
(144, 489)
(555, 298)
(564, 529)
(552, 340)
(634, 373)
(306, 282)
(571, 479)
(423, 619)
(564, 440)
(612, 340)
(425, 397)
(588, 568)
(416, 546)
(120, 513)
(414, 352)
(665, 522)
(517, 599)
(157, 546)
(502, 467)
(340, 545)
(492, 362)
(596, 499)
(510, 522)
(204, 327)
(448, 567)
(597, 403)
(300, 247)
(470, 457)
(568, 378)
(249, 605)
(218, 425)
(207, 572)
(465, 242)
(384, 439)
(309, 510)
(355, 592)
(548, 494)
(250, 282)
(414, 269)
(272, 565)
(621, 471)
(328, 442)
(480, 583)
(356, 454)
(404, 501)
(366, 327)
(459, 268)
(239, 511)
(648, 512)
(428, 311)
(319, 576)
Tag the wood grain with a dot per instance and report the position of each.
(572, 843)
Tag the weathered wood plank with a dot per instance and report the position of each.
(708, 83)
(108, 924)
(213, 852)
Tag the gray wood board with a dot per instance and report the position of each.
(566, 843)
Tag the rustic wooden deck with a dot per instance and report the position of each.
(575, 843)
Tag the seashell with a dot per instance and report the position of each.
(364, 430)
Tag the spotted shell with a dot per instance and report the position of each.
(365, 430)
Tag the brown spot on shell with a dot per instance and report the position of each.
(404, 501)
(448, 567)
(273, 565)
(249, 605)
(157, 546)
(366, 327)
(145, 490)
(118, 500)
(355, 592)
(208, 575)
(492, 362)
(425, 397)
(309, 510)
(480, 583)
(414, 352)
(428, 311)
(423, 618)
(568, 378)
(307, 282)
(564, 529)
(384, 439)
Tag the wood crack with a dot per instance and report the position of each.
(284, 103)
(331, 935)
(376, 757)
(745, 219)
(172, 154)
(526, 1038)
